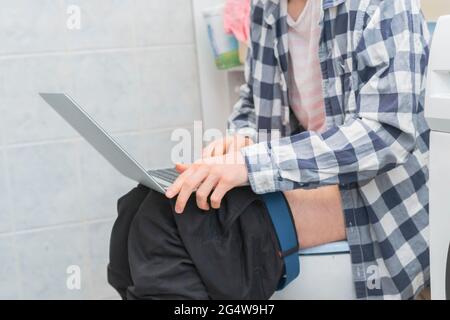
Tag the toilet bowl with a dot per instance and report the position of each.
(325, 274)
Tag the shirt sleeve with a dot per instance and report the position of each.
(381, 131)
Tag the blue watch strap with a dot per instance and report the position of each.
(282, 221)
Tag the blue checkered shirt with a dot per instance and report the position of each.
(373, 56)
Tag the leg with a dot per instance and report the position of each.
(119, 269)
(230, 253)
(234, 248)
(161, 268)
(318, 215)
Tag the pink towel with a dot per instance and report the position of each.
(237, 19)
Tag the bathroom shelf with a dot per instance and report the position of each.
(219, 89)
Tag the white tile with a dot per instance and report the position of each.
(25, 116)
(163, 22)
(126, 91)
(103, 24)
(45, 185)
(107, 86)
(31, 26)
(44, 258)
(102, 184)
(9, 281)
(5, 210)
(170, 88)
(99, 234)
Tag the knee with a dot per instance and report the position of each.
(133, 199)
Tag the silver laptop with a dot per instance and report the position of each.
(108, 147)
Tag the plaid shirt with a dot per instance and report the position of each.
(373, 56)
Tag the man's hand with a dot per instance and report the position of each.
(226, 145)
(212, 176)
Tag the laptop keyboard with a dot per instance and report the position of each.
(169, 175)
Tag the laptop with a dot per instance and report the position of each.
(158, 180)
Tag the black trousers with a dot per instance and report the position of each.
(230, 253)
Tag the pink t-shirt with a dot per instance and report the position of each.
(305, 83)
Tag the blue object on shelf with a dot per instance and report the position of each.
(432, 27)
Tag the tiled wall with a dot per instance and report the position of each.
(133, 66)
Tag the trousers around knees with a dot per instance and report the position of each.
(230, 253)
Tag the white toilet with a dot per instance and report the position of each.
(325, 273)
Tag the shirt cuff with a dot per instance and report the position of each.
(263, 174)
